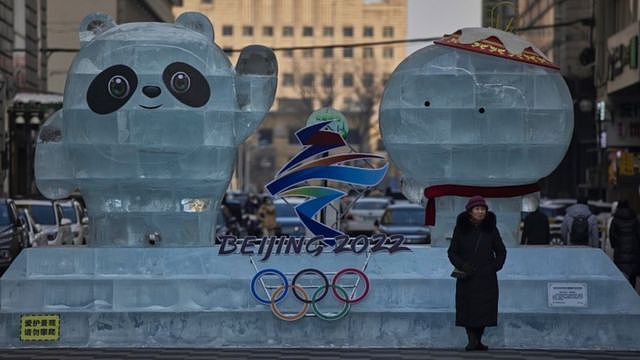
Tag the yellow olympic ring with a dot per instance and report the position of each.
(279, 314)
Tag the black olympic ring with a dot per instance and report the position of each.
(311, 271)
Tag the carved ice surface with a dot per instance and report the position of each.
(152, 116)
(453, 116)
(176, 297)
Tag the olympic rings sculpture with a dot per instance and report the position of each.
(301, 294)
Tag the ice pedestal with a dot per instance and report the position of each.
(507, 212)
(193, 297)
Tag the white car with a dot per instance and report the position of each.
(363, 215)
(37, 238)
(50, 217)
(72, 210)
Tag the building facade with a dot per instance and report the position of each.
(63, 21)
(348, 78)
(617, 80)
(563, 30)
(22, 69)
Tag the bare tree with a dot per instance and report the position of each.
(356, 90)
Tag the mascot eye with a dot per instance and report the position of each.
(180, 82)
(111, 89)
(119, 87)
(186, 84)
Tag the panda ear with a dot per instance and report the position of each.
(93, 25)
(196, 22)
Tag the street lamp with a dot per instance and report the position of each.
(35, 120)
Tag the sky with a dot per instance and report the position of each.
(430, 18)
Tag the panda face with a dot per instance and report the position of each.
(115, 86)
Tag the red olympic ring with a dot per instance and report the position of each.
(361, 274)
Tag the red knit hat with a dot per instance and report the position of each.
(476, 201)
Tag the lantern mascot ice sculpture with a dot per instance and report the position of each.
(480, 112)
(152, 116)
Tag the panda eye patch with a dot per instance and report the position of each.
(186, 84)
(111, 89)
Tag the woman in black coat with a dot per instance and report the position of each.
(624, 235)
(477, 249)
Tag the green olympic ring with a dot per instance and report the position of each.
(314, 304)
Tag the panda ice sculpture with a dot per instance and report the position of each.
(152, 116)
(481, 111)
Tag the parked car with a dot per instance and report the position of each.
(36, 237)
(73, 211)
(50, 217)
(13, 233)
(288, 221)
(363, 215)
(405, 219)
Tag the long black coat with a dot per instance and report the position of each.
(624, 234)
(477, 295)
(536, 229)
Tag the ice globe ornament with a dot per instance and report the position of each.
(152, 116)
(481, 111)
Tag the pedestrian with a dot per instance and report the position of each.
(536, 229)
(580, 226)
(267, 217)
(478, 251)
(625, 241)
(252, 205)
(606, 247)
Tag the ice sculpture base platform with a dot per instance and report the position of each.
(193, 297)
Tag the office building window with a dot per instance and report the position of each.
(227, 30)
(327, 80)
(367, 31)
(347, 104)
(307, 31)
(347, 52)
(308, 79)
(367, 79)
(287, 79)
(267, 30)
(347, 31)
(206, 2)
(288, 53)
(327, 31)
(287, 31)
(387, 52)
(307, 53)
(347, 80)
(247, 30)
(367, 52)
(387, 31)
(265, 137)
(327, 52)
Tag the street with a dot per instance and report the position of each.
(310, 354)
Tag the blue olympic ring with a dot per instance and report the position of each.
(257, 276)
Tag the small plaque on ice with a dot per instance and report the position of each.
(567, 294)
(40, 327)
